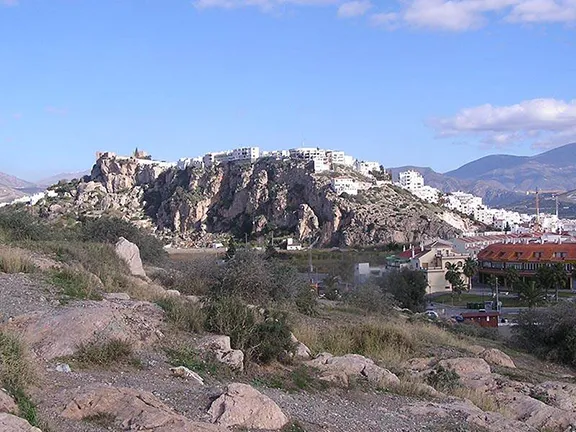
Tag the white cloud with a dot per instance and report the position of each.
(354, 8)
(543, 122)
(543, 11)
(384, 19)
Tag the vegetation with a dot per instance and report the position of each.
(202, 364)
(183, 314)
(75, 284)
(14, 261)
(469, 269)
(408, 287)
(454, 277)
(443, 379)
(105, 353)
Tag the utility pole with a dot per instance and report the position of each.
(246, 239)
(497, 296)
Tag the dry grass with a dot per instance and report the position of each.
(184, 314)
(390, 342)
(412, 387)
(483, 400)
(15, 261)
(104, 353)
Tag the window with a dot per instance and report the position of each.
(560, 254)
(537, 254)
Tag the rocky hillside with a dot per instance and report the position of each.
(193, 206)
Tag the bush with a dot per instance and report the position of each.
(443, 379)
(549, 333)
(110, 229)
(104, 352)
(75, 283)
(194, 277)
(204, 364)
(306, 301)
(184, 314)
(19, 225)
(270, 339)
(408, 287)
(14, 261)
(370, 298)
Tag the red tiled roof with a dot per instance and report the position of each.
(531, 252)
(407, 254)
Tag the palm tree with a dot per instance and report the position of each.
(453, 276)
(531, 293)
(545, 278)
(558, 276)
(469, 269)
(493, 282)
(511, 278)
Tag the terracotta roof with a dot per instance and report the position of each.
(407, 254)
(531, 252)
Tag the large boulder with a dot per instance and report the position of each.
(243, 406)
(473, 372)
(130, 254)
(341, 369)
(7, 404)
(301, 351)
(133, 410)
(497, 358)
(58, 332)
(219, 346)
(11, 423)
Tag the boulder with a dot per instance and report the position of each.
(130, 254)
(58, 332)
(11, 423)
(301, 351)
(243, 406)
(473, 372)
(497, 358)
(116, 296)
(559, 394)
(172, 293)
(133, 410)
(219, 345)
(340, 369)
(184, 372)
(7, 404)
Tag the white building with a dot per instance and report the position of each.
(275, 154)
(184, 163)
(345, 184)
(339, 158)
(292, 244)
(463, 202)
(251, 154)
(366, 168)
(309, 154)
(428, 193)
(411, 180)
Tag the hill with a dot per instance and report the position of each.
(12, 187)
(49, 181)
(280, 198)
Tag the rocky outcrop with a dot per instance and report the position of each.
(301, 351)
(130, 254)
(497, 358)
(340, 369)
(219, 346)
(192, 206)
(243, 406)
(11, 423)
(58, 332)
(7, 404)
(133, 410)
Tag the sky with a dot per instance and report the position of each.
(412, 82)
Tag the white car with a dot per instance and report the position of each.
(431, 314)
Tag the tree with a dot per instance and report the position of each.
(511, 277)
(469, 269)
(493, 282)
(331, 287)
(558, 276)
(231, 251)
(454, 277)
(531, 293)
(407, 286)
(507, 228)
(545, 278)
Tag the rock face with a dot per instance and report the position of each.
(7, 404)
(57, 333)
(133, 410)
(341, 369)
(219, 345)
(193, 205)
(11, 423)
(243, 406)
(130, 254)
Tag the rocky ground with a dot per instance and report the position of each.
(359, 395)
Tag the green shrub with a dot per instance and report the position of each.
(104, 352)
(183, 314)
(306, 301)
(193, 277)
(270, 339)
(443, 379)
(19, 225)
(204, 364)
(75, 283)
(370, 298)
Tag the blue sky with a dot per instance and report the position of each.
(422, 82)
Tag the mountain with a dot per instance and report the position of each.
(52, 180)
(503, 180)
(12, 187)
(193, 207)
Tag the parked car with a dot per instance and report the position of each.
(431, 314)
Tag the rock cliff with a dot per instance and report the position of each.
(191, 206)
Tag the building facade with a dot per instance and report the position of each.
(411, 180)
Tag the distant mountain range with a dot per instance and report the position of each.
(503, 180)
(12, 187)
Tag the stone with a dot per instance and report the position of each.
(341, 369)
(302, 352)
(7, 404)
(243, 406)
(476, 349)
(116, 296)
(130, 254)
(11, 423)
(233, 359)
(172, 293)
(184, 372)
(57, 333)
(133, 410)
(559, 394)
(63, 367)
(474, 373)
(497, 358)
